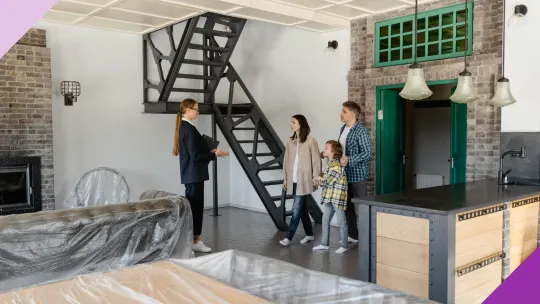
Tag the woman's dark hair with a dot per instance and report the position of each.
(304, 128)
(336, 148)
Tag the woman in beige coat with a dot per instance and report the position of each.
(301, 164)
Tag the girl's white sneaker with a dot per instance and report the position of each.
(321, 247)
(285, 242)
(341, 250)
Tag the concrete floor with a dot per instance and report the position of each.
(255, 232)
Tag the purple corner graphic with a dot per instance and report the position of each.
(17, 17)
(522, 285)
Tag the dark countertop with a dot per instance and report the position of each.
(451, 199)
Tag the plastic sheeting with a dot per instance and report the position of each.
(55, 245)
(98, 187)
(160, 282)
(227, 277)
(282, 282)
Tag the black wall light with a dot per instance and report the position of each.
(331, 48)
(520, 10)
(70, 90)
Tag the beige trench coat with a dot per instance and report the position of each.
(309, 165)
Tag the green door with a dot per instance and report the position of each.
(458, 143)
(390, 123)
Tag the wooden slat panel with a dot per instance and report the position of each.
(404, 228)
(478, 277)
(523, 233)
(524, 212)
(478, 294)
(518, 254)
(403, 280)
(479, 225)
(404, 255)
(478, 238)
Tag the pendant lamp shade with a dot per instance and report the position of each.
(503, 96)
(415, 87)
(465, 91)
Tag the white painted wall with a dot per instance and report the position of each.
(106, 126)
(521, 67)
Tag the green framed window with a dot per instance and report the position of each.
(441, 35)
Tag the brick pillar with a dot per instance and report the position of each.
(26, 106)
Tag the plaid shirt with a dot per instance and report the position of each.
(358, 150)
(334, 184)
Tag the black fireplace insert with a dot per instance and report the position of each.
(20, 184)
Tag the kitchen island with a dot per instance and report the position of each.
(446, 243)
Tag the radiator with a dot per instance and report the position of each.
(428, 180)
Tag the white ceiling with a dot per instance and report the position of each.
(142, 16)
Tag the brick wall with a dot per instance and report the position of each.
(484, 121)
(26, 106)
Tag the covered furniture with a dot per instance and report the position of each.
(225, 277)
(55, 245)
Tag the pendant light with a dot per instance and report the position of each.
(415, 87)
(465, 91)
(503, 96)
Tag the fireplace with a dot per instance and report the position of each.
(20, 185)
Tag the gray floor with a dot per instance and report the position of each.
(255, 232)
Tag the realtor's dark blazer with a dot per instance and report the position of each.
(194, 155)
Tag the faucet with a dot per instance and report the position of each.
(502, 176)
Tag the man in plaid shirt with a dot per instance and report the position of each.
(354, 138)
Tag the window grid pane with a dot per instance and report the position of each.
(440, 35)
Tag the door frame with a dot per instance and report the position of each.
(378, 94)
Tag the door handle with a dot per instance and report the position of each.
(451, 160)
(404, 159)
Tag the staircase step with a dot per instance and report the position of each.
(186, 90)
(271, 168)
(192, 76)
(202, 62)
(261, 141)
(273, 182)
(278, 198)
(288, 213)
(214, 33)
(263, 154)
(244, 129)
(207, 47)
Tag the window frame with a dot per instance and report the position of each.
(439, 42)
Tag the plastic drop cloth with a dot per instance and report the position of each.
(227, 277)
(55, 245)
(98, 187)
(159, 282)
(281, 282)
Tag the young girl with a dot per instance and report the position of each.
(334, 195)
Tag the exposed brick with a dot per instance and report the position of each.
(26, 106)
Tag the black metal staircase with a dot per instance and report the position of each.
(250, 135)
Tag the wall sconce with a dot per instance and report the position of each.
(520, 11)
(70, 90)
(330, 50)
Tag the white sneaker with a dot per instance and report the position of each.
(201, 247)
(321, 247)
(285, 242)
(351, 240)
(341, 250)
(307, 239)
